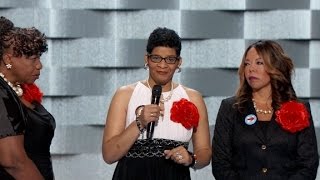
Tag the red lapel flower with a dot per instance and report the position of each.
(293, 116)
(31, 93)
(185, 112)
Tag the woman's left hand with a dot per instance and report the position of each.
(179, 155)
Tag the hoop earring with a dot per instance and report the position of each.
(146, 66)
(179, 70)
(9, 66)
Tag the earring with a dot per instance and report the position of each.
(146, 66)
(179, 70)
(9, 66)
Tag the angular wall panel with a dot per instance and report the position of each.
(18, 3)
(139, 24)
(280, 24)
(315, 25)
(315, 54)
(315, 4)
(79, 110)
(75, 23)
(315, 106)
(277, 4)
(213, 104)
(212, 5)
(84, 52)
(209, 82)
(96, 46)
(213, 53)
(24, 17)
(146, 4)
(77, 139)
(314, 83)
(82, 167)
(211, 24)
(76, 81)
(301, 83)
(300, 58)
(111, 4)
(130, 52)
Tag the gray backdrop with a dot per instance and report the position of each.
(96, 46)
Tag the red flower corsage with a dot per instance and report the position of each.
(185, 112)
(293, 116)
(31, 93)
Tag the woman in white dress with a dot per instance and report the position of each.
(180, 117)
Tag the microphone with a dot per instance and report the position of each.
(155, 99)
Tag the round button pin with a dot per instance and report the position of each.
(250, 119)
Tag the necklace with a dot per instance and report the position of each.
(164, 99)
(261, 111)
(16, 88)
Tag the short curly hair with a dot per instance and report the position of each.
(164, 37)
(6, 26)
(28, 42)
(22, 41)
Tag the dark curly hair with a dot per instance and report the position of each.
(280, 68)
(6, 26)
(164, 37)
(22, 41)
(28, 42)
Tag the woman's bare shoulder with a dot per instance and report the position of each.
(192, 93)
(126, 90)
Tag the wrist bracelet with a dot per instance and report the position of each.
(138, 112)
(141, 129)
(194, 160)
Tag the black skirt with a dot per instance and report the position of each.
(146, 161)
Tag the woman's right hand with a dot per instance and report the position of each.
(150, 113)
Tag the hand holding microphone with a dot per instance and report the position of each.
(155, 99)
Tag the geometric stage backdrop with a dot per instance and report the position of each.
(96, 46)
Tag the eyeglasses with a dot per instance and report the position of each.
(158, 59)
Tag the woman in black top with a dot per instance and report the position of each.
(25, 133)
(39, 130)
(265, 132)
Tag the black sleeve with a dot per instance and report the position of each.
(307, 151)
(11, 118)
(222, 143)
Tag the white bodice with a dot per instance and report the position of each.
(165, 128)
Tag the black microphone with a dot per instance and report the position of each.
(155, 99)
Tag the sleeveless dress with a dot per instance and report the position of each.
(145, 159)
(12, 118)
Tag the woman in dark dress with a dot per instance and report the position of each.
(265, 132)
(26, 128)
(39, 130)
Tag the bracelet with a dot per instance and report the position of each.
(194, 160)
(138, 114)
(141, 129)
(138, 110)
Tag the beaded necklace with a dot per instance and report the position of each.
(164, 99)
(261, 111)
(16, 88)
